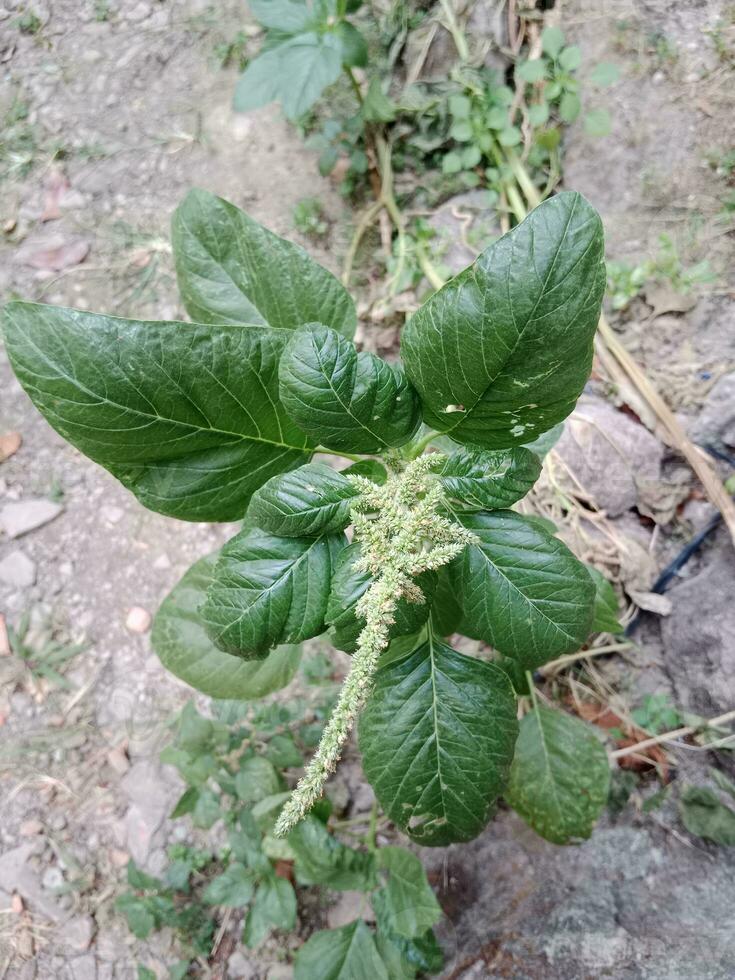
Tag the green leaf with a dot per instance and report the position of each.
(185, 415)
(349, 584)
(522, 589)
(552, 41)
(268, 590)
(294, 73)
(285, 16)
(560, 777)
(370, 468)
(437, 737)
(139, 879)
(471, 156)
(503, 350)
(407, 901)
(544, 443)
(597, 122)
(725, 784)
(604, 74)
(510, 136)
(274, 907)
(451, 163)
(569, 107)
(345, 400)
(256, 779)
(186, 803)
(179, 639)
(246, 843)
(282, 752)
(402, 646)
(446, 609)
(490, 480)
(207, 809)
(231, 269)
(460, 106)
(705, 816)
(531, 71)
(461, 130)
(605, 617)
(144, 973)
(354, 46)
(538, 114)
(405, 958)
(314, 499)
(376, 106)
(140, 919)
(234, 887)
(348, 953)
(322, 860)
(571, 58)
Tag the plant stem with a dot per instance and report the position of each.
(368, 217)
(532, 690)
(373, 827)
(333, 452)
(648, 743)
(423, 443)
(355, 85)
(460, 41)
(428, 268)
(522, 176)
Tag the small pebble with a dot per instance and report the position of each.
(138, 620)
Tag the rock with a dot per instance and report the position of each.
(113, 515)
(26, 515)
(16, 875)
(83, 967)
(10, 443)
(138, 620)
(280, 971)
(162, 563)
(140, 12)
(699, 635)
(78, 933)
(53, 253)
(348, 907)
(152, 799)
(30, 828)
(118, 761)
(18, 570)
(610, 454)
(239, 967)
(603, 914)
(470, 212)
(52, 879)
(716, 421)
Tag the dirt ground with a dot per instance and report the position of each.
(141, 108)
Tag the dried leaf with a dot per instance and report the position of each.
(55, 186)
(57, 252)
(604, 717)
(652, 602)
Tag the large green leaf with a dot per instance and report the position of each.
(502, 352)
(313, 499)
(268, 590)
(294, 73)
(179, 639)
(406, 958)
(233, 270)
(274, 907)
(349, 584)
(490, 480)
(322, 860)
(407, 901)
(348, 953)
(437, 737)
(345, 400)
(185, 415)
(560, 776)
(522, 589)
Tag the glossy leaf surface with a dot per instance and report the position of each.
(233, 270)
(490, 480)
(185, 415)
(344, 399)
(181, 642)
(502, 351)
(313, 499)
(268, 590)
(437, 737)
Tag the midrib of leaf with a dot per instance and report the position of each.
(239, 436)
(465, 415)
(436, 720)
(549, 777)
(347, 408)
